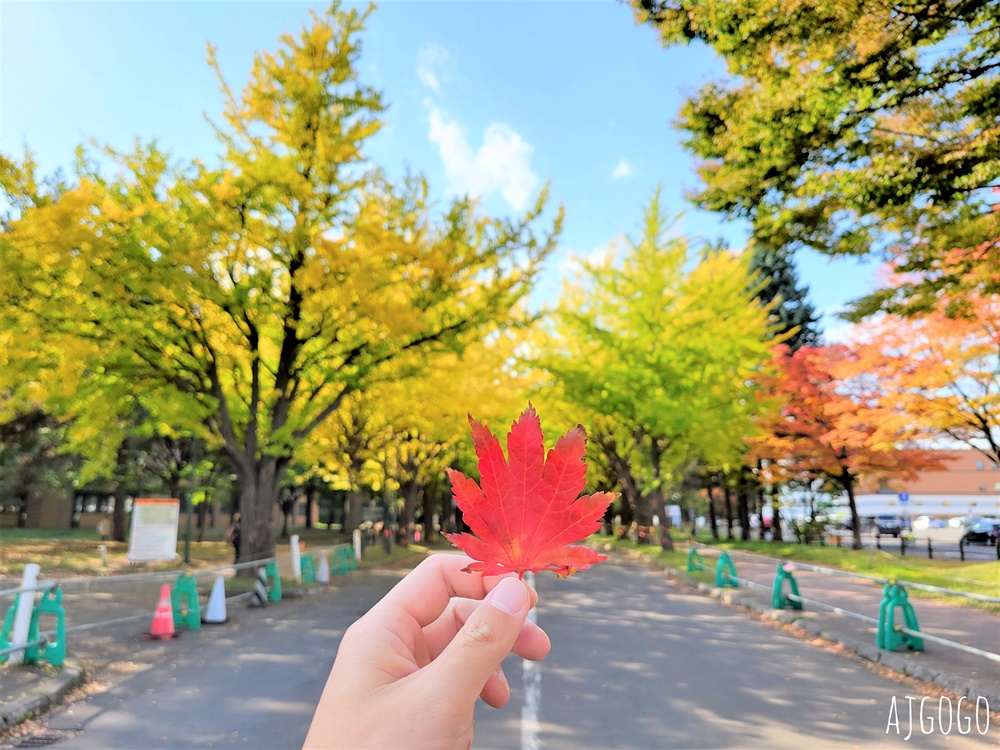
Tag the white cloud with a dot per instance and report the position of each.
(501, 164)
(573, 261)
(434, 65)
(623, 170)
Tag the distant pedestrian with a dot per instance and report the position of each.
(234, 536)
(103, 527)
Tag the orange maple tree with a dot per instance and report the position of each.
(832, 423)
(528, 510)
(940, 370)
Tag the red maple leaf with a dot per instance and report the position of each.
(528, 511)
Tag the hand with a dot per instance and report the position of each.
(408, 672)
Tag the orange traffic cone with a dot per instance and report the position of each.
(163, 618)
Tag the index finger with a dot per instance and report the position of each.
(426, 590)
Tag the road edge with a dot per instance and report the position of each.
(39, 699)
(894, 661)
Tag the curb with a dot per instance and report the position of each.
(895, 661)
(49, 692)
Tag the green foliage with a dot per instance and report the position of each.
(658, 348)
(848, 127)
(777, 288)
(242, 304)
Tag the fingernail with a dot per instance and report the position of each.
(509, 596)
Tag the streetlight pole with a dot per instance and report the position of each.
(186, 497)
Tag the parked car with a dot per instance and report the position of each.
(887, 526)
(983, 532)
(963, 522)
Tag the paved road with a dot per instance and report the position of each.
(636, 663)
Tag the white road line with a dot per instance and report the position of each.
(532, 679)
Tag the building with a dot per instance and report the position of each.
(968, 485)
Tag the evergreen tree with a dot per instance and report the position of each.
(777, 279)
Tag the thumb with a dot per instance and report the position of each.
(484, 641)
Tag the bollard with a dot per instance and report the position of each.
(779, 599)
(103, 550)
(53, 650)
(184, 598)
(890, 636)
(902, 545)
(930, 549)
(356, 539)
(694, 561)
(725, 572)
(25, 604)
(273, 576)
(260, 593)
(296, 550)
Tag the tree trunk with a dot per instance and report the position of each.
(847, 480)
(431, 506)
(644, 517)
(711, 513)
(728, 498)
(743, 508)
(118, 515)
(22, 509)
(258, 496)
(310, 504)
(776, 534)
(666, 538)
(202, 516)
(353, 504)
(411, 495)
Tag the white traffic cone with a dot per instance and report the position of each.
(215, 612)
(323, 574)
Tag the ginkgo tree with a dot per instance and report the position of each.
(255, 294)
(406, 430)
(661, 345)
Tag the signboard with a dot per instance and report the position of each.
(153, 533)
(904, 497)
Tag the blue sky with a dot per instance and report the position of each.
(493, 98)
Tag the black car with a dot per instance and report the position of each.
(887, 526)
(983, 532)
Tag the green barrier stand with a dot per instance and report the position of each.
(779, 599)
(725, 572)
(8, 629)
(308, 569)
(54, 649)
(274, 581)
(889, 635)
(184, 597)
(345, 560)
(341, 561)
(694, 561)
